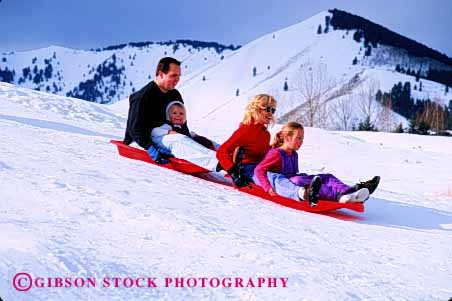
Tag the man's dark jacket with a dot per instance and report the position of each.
(147, 110)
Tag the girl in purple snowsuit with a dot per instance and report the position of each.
(278, 173)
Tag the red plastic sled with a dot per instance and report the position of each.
(322, 205)
(195, 170)
(175, 164)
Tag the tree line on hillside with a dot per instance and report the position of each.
(437, 75)
(375, 34)
(7, 75)
(98, 89)
(36, 75)
(199, 45)
(424, 115)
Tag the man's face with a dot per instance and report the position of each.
(168, 81)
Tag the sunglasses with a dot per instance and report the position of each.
(269, 109)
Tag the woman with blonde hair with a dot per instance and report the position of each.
(252, 137)
(278, 173)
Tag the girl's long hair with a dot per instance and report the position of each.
(288, 130)
(255, 106)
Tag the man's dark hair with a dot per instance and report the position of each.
(164, 64)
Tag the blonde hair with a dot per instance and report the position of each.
(288, 130)
(171, 106)
(255, 106)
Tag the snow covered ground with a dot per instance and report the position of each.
(72, 208)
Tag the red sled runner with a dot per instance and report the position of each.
(195, 170)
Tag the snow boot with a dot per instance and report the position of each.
(311, 193)
(371, 184)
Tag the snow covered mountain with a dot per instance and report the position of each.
(72, 209)
(350, 56)
(103, 75)
(311, 58)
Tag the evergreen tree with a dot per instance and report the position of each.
(366, 125)
(48, 71)
(447, 89)
(396, 95)
(412, 126)
(327, 23)
(379, 95)
(420, 86)
(416, 127)
(7, 75)
(254, 71)
(423, 128)
(357, 36)
(418, 74)
(237, 92)
(203, 78)
(319, 29)
(286, 87)
(355, 61)
(447, 118)
(399, 129)
(405, 101)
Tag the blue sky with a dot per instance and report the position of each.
(89, 24)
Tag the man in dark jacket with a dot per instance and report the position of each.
(147, 108)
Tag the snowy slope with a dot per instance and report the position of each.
(71, 207)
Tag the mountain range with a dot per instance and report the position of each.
(325, 72)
